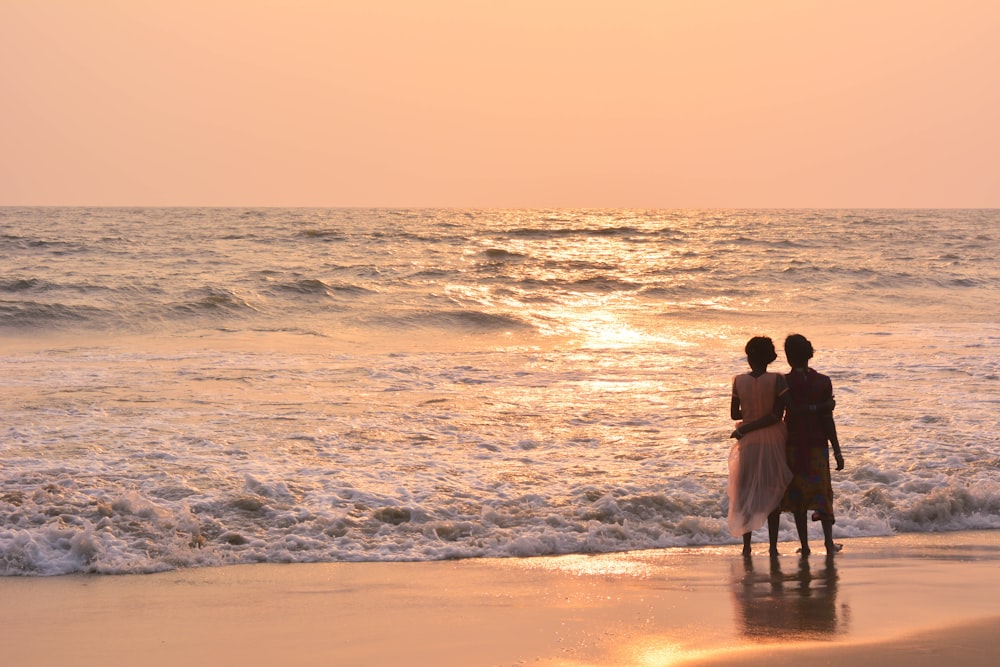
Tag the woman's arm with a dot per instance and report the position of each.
(772, 417)
(830, 431)
(746, 427)
(734, 409)
(798, 407)
(824, 407)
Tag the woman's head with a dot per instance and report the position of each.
(798, 351)
(760, 351)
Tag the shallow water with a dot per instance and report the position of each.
(186, 387)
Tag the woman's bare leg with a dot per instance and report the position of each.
(773, 519)
(831, 546)
(802, 527)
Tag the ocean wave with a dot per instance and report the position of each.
(316, 287)
(83, 287)
(439, 387)
(215, 301)
(62, 528)
(20, 315)
(53, 247)
(688, 292)
(464, 320)
(323, 234)
(764, 243)
(602, 284)
(962, 282)
(23, 285)
(504, 255)
(558, 233)
(573, 265)
(595, 284)
(133, 259)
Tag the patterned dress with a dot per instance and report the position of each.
(808, 455)
(758, 471)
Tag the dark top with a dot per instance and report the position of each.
(807, 428)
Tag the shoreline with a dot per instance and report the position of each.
(910, 599)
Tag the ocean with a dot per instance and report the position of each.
(190, 387)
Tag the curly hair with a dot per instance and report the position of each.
(760, 351)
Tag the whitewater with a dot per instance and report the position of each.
(209, 386)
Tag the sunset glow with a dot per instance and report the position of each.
(500, 104)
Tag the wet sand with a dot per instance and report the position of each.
(905, 600)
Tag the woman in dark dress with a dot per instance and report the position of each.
(809, 419)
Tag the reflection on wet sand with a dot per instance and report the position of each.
(773, 605)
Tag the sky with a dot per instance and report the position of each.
(500, 103)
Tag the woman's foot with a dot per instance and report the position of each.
(832, 548)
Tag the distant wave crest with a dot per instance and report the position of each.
(35, 315)
(459, 320)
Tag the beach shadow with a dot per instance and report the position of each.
(772, 605)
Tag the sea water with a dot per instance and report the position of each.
(198, 387)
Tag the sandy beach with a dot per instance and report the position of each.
(912, 599)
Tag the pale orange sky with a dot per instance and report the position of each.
(510, 103)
